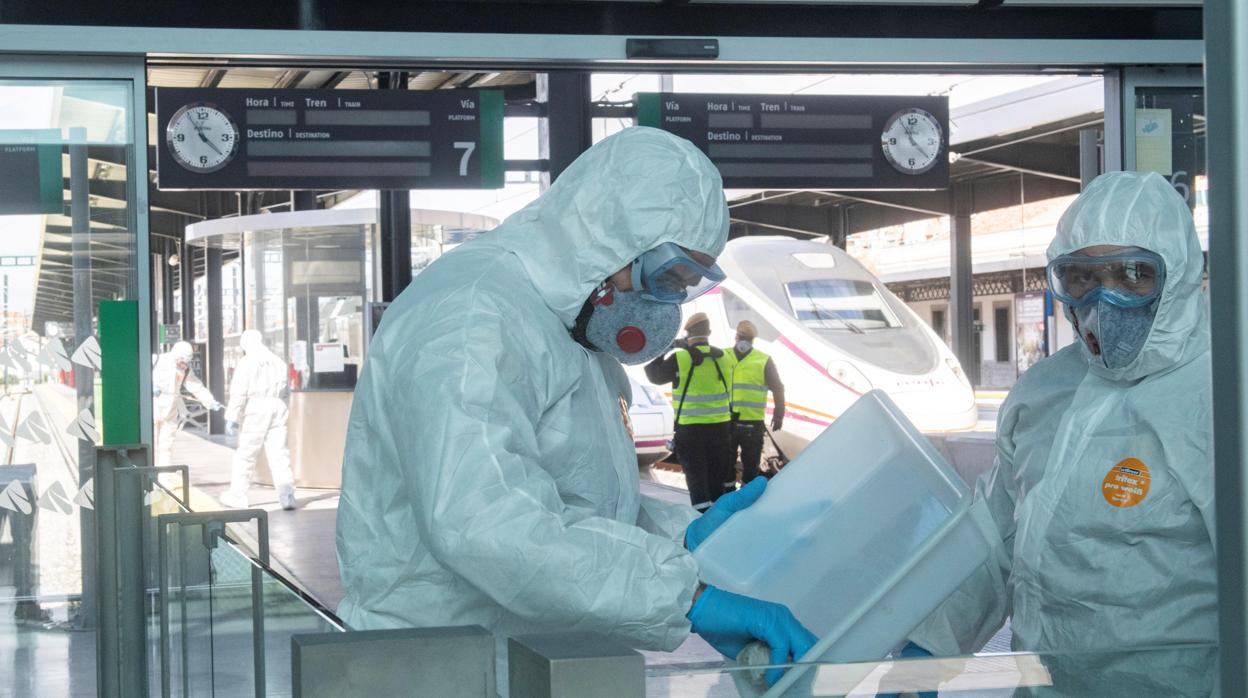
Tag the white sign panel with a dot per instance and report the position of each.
(327, 358)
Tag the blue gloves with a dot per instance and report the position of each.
(730, 621)
(216, 406)
(912, 651)
(231, 428)
(702, 527)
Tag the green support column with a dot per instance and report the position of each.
(119, 566)
(119, 372)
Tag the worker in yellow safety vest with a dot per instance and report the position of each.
(701, 395)
(753, 376)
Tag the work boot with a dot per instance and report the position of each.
(286, 496)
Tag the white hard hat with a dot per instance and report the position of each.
(183, 351)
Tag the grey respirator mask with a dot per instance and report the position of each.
(628, 327)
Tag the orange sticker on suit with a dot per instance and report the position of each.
(1126, 484)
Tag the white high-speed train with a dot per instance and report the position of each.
(835, 332)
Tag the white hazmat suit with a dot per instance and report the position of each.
(170, 375)
(1103, 487)
(257, 405)
(489, 475)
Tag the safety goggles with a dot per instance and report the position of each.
(668, 274)
(1128, 279)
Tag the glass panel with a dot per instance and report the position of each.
(283, 613)
(159, 501)
(189, 641)
(305, 291)
(68, 243)
(213, 618)
(1170, 140)
(1145, 671)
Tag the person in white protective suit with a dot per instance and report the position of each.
(170, 375)
(1102, 491)
(489, 475)
(257, 413)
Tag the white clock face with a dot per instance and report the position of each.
(911, 141)
(202, 138)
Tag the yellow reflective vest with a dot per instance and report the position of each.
(703, 397)
(749, 387)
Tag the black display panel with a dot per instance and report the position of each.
(329, 139)
(811, 141)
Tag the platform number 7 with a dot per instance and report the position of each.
(468, 148)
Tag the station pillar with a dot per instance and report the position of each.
(215, 358)
(186, 266)
(567, 130)
(961, 288)
(394, 216)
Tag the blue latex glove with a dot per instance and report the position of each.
(730, 621)
(231, 428)
(702, 527)
(216, 406)
(912, 651)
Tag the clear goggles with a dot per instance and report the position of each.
(668, 274)
(1128, 279)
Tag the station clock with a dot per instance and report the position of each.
(911, 141)
(202, 138)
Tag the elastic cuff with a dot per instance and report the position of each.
(698, 604)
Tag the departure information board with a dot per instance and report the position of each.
(329, 139)
(811, 141)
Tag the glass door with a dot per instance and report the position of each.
(72, 220)
(1164, 132)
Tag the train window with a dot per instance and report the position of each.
(737, 310)
(846, 305)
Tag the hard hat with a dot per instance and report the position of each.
(697, 319)
(183, 351)
(746, 329)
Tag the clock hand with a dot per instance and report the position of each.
(916, 145)
(207, 142)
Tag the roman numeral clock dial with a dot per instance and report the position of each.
(911, 141)
(202, 138)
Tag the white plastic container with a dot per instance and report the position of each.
(861, 536)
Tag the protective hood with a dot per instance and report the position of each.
(1143, 210)
(627, 194)
(252, 344)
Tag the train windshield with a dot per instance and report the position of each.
(840, 305)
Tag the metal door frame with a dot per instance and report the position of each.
(111, 644)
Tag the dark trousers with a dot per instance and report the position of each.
(748, 438)
(706, 455)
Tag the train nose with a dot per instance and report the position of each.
(937, 408)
